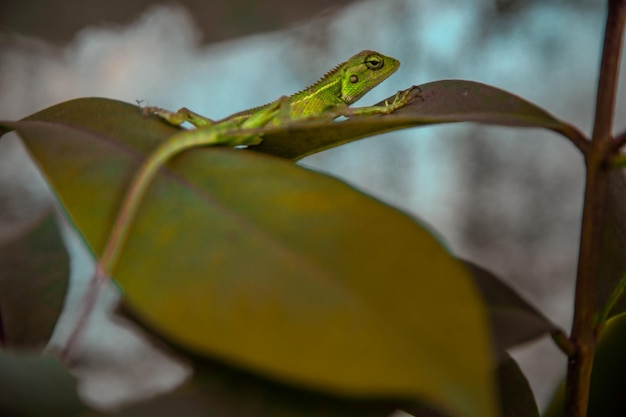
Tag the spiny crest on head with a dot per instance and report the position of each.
(324, 77)
(335, 70)
(331, 72)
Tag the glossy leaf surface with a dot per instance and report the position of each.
(257, 262)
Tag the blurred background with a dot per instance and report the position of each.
(508, 199)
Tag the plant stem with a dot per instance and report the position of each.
(583, 334)
(563, 342)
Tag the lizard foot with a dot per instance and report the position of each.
(403, 97)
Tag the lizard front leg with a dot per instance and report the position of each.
(401, 99)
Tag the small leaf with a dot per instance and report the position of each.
(516, 396)
(34, 273)
(36, 386)
(613, 252)
(513, 319)
(607, 396)
(289, 273)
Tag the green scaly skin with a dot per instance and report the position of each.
(327, 99)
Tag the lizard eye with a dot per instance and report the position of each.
(374, 62)
(354, 79)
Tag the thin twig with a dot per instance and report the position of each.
(577, 138)
(562, 342)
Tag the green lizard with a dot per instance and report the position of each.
(328, 99)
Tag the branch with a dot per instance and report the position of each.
(583, 335)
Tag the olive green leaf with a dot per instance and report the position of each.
(254, 261)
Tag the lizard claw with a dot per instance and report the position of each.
(402, 98)
(406, 95)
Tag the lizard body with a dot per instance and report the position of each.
(341, 86)
(330, 97)
(327, 98)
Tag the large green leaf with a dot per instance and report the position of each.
(229, 391)
(34, 273)
(255, 261)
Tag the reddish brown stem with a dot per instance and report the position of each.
(583, 332)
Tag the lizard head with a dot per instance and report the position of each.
(364, 71)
